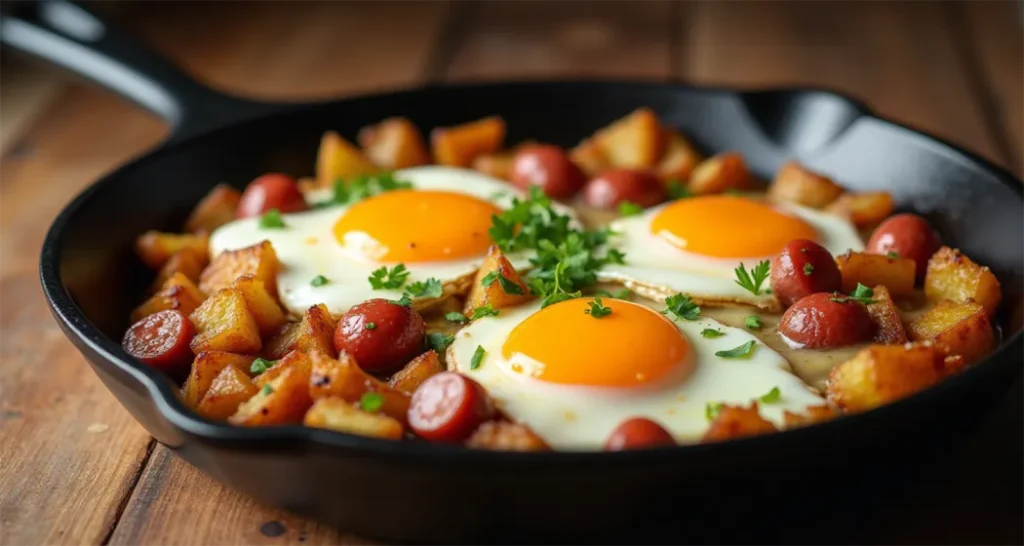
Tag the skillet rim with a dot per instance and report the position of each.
(161, 392)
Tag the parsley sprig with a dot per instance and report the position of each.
(772, 396)
(506, 284)
(430, 288)
(863, 294)
(681, 306)
(597, 308)
(439, 341)
(742, 351)
(753, 279)
(346, 192)
(388, 279)
(483, 311)
(272, 220)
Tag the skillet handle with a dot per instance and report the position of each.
(69, 36)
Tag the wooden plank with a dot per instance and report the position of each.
(512, 39)
(26, 91)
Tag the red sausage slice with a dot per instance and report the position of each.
(162, 341)
(909, 236)
(549, 167)
(448, 407)
(801, 269)
(380, 334)
(638, 433)
(271, 191)
(615, 186)
(827, 321)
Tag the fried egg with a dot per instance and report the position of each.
(694, 245)
(438, 229)
(573, 378)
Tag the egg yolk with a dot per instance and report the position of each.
(631, 346)
(417, 226)
(728, 226)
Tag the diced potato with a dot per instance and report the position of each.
(178, 293)
(205, 368)
(259, 260)
(282, 401)
(342, 378)
(294, 359)
(495, 293)
(188, 262)
(228, 390)
(394, 143)
(458, 146)
(679, 160)
(815, 414)
(737, 422)
(337, 414)
(634, 141)
(953, 276)
(506, 436)
(223, 323)
(338, 158)
(719, 174)
(863, 209)
(587, 155)
(881, 374)
(896, 274)
(314, 333)
(216, 209)
(264, 307)
(795, 184)
(418, 370)
(498, 165)
(155, 248)
(888, 325)
(963, 328)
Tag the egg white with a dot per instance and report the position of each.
(582, 417)
(307, 246)
(656, 269)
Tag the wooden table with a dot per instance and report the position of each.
(76, 469)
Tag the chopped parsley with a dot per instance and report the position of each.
(370, 326)
(431, 288)
(808, 269)
(753, 279)
(261, 365)
(363, 186)
(621, 294)
(478, 357)
(863, 294)
(742, 351)
(266, 390)
(371, 402)
(597, 309)
(892, 254)
(709, 333)
(483, 311)
(507, 284)
(754, 322)
(404, 301)
(319, 280)
(676, 190)
(440, 341)
(455, 316)
(772, 396)
(272, 220)
(711, 410)
(627, 208)
(388, 279)
(682, 307)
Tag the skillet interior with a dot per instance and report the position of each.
(415, 492)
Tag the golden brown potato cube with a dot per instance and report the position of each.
(863, 209)
(587, 155)
(339, 159)
(498, 165)
(228, 390)
(316, 330)
(679, 160)
(720, 173)
(283, 341)
(418, 370)
(815, 414)
(888, 325)
(264, 307)
(796, 184)
(259, 260)
(279, 402)
(205, 368)
(506, 436)
(155, 248)
(737, 422)
(497, 284)
(963, 328)
(953, 276)
(634, 141)
(881, 374)
(216, 209)
(342, 378)
(188, 262)
(337, 414)
(294, 359)
(458, 146)
(896, 274)
(223, 323)
(178, 293)
(394, 143)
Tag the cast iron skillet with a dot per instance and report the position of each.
(823, 481)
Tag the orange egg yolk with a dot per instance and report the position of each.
(728, 226)
(418, 225)
(632, 346)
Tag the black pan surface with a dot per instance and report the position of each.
(801, 485)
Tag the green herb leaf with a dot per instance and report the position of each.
(808, 269)
(483, 311)
(676, 190)
(319, 280)
(597, 308)
(742, 351)
(346, 192)
(622, 294)
(892, 254)
(431, 288)
(863, 294)
(682, 307)
(708, 333)
(266, 390)
(627, 208)
(388, 279)
(370, 326)
(478, 357)
(404, 301)
(711, 410)
(261, 365)
(771, 396)
(439, 341)
(507, 284)
(754, 322)
(272, 220)
(456, 316)
(371, 402)
(753, 280)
